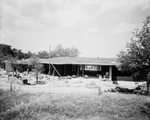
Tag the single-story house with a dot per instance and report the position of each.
(80, 66)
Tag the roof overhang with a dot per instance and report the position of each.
(80, 61)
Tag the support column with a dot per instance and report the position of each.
(64, 70)
(78, 70)
(100, 68)
(110, 72)
(82, 70)
(100, 71)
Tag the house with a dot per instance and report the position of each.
(81, 66)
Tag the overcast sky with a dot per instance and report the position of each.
(98, 28)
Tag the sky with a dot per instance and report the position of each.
(98, 28)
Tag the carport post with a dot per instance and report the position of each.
(49, 63)
(83, 67)
(110, 72)
(78, 67)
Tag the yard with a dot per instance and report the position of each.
(73, 106)
(76, 99)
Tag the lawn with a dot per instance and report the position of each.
(73, 106)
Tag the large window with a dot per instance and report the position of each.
(91, 67)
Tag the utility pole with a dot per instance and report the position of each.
(49, 61)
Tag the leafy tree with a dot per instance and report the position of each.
(72, 52)
(12, 54)
(28, 55)
(60, 51)
(43, 54)
(18, 54)
(6, 50)
(136, 58)
(37, 66)
(6, 53)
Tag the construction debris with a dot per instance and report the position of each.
(138, 88)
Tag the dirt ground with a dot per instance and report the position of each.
(75, 85)
(53, 87)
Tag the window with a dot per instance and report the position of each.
(91, 67)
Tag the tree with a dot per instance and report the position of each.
(37, 66)
(72, 52)
(60, 51)
(28, 55)
(6, 50)
(43, 54)
(6, 53)
(136, 58)
(12, 54)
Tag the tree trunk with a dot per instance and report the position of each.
(36, 78)
(148, 84)
(148, 87)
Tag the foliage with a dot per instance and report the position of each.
(38, 68)
(8, 53)
(109, 106)
(28, 55)
(43, 54)
(5, 53)
(137, 57)
(59, 51)
(6, 50)
(36, 65)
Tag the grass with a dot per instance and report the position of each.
(48, 106)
